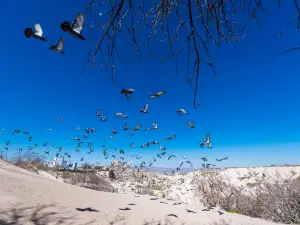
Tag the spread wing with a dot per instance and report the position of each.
(77, 24)
(60, 44)
(146, 107)
(38, 30)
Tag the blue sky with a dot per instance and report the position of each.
(250, 108)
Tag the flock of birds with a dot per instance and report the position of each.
(84, 141)
(75, 28)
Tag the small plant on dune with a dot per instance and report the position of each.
(234, 211)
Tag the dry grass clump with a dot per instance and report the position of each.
(88, 180)
(276, 199)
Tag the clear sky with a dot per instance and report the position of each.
(251, 108)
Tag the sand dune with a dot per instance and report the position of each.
(60, 203)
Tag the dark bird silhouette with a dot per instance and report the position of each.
(219, 160)
(59, 46)
(131, 204)
(127, 92)
(163, 202)
(153, 199)
(220, 213)
(88, 209)
(145, 108)
(37, 33)
(75, 28)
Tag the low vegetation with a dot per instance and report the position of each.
(276, 199)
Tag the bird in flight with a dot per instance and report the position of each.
(75, 28)
(207, 142)
(180, 111)
(145, 108)
(127, 92)
(59, 47)
(219, 160)
(157, 94)
(37, 33)
(191, 124)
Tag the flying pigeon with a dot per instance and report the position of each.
(162, 148)
(59, 47)
(30, 139)
(112, 137)
(118, 115)
(49, 129)
(77, 150)
(222, 159)
(7, 142)
(145, 109)
(180, 111)
(137, 127)
(204, 159)
(85, 136)
(191, 124)
(132, 145)
(87, 130)
(127, 92)
(190, 211)
(97, 112)
(75, 28)
(25, 132)
(157, 94)
(125, 127)
(171, 137)
(125, 209)
(36, 33)
(207, 142)
(125, 116)
(172, 215)
(61, 120)
(103, 118)
(114, 131)
(155, 126)
(146, 129)
(171, 156)
(93, 130)
(121, 151)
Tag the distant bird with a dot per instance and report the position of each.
(16, 131)
(61, 120)
(204, 159)
(125, 116)
(119, 115)
(77, 150)
(131, 204)
(25, 132)
(207, 142)
(103, 118)
(162, 148)
(127, 92)
(154, 142)
(85, 136)
(172, 215)
(121, 151)
(132, 134)
(45, 144)
(7, 142)
(89, 145)
(180, 111)
(49, 129)
(76, 27)
(222, 159)
(153, 199)
(190, 211)
(37, 33)
(150, 164)
(114, 131)
(191, 124)
(163, 202)
(157, 94)
(132, 145)
(97, 112)
(112, 137)
(30, 138)
(137, 127)
(145, 108)
(87, 130)
(59, 46)
(46, 152)
(147, 129)
(125, 127)
(155, 126)
(81, 159)
(158, 155)
(93, 130)
(122, 158)
(171, 137)
(174, 156)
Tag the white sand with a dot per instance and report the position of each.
(20, 188)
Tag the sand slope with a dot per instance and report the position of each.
(40, 200)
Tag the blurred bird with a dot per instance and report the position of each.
(171, 137)
(137, 127)
(155, 126)
(225, 158)
(97, 112)
(125, 127)
(59, 46)
(37, 33)
(75, 28)
(180, 111)
(145, 109)
(127, 92)
(103, 118)
(191, 124)
(157, 94)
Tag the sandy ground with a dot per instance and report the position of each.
(34, 199)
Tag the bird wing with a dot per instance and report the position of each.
(77, 24)
(60, 44)
(38, 30)
(188, 122)
(153, 96)
(146, 107)
(160, 93)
